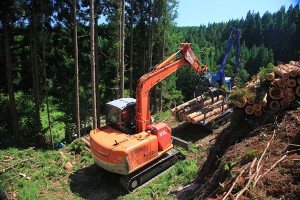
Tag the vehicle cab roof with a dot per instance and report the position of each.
(122, 103)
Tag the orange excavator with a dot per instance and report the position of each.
(130, 144)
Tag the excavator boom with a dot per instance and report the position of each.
(158, 74)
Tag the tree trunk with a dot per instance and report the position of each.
(45, 79)
(163, 57)
(36, 85)
(131, 49)
(46, 94)
(122, 32)
(97, 76)
(9, 77)
(76, 71)
(150, 48)
(92, 37)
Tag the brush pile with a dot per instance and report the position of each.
(277, 89)
(201, 110)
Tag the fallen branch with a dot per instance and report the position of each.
(231, 188)
(261, 157)
(85, 141)
(245, 188)
(274, 165)
(14, 165)
(287, 152)
(252, 166)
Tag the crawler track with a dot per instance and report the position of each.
(142, 176)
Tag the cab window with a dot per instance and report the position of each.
(112, 115)
(128, 117)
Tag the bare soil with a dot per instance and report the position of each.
(236, 148)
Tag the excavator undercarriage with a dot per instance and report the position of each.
(150, 171)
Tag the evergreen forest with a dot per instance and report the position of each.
(62, 61)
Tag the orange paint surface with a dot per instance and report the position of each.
(123, 154)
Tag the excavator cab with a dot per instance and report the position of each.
(120, 114)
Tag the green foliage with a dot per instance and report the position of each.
(261, 43)
(237, 96)
(264, 71)
(70, 132)
(251, 154)
(57, 122)
(161, 116)
(171, 94)
(25, 113)
(77, 146)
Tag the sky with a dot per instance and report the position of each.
(202, 12)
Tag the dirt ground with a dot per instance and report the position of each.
(253, 158)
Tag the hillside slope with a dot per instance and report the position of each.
(255, 158)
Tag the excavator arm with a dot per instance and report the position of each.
(234, 36)
(158, 74)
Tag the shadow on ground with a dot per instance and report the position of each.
(94, 183)
(191, 132)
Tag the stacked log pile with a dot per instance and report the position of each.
(199, 110)
(278, 89)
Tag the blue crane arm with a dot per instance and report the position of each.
(220, 75)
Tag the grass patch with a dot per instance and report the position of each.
(161, 116)
(31, 173)
(58, 126)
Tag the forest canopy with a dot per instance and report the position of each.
(38, 52)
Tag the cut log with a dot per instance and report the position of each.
(279, 82)
(291, 98)
(295, 63)
(289, 91)
(298, 80)
(205, 103)
(250, 101)
(173, 111)
(216, 111)
(249, 110)
(207, 106)
(297, 91)
(282, 73)
(242, 103)
(289, 69)
(271, 76)
(274, 105)
(251, 98)
(257, 113)
(276, 93)
(291, 82)
(266, 109)
(186, 104)
(257, 107)
(284, 103)
(294, 67)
